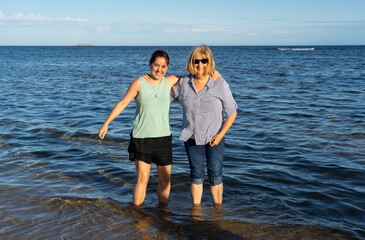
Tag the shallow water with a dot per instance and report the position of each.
(294, 160)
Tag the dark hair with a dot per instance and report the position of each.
(160, 53)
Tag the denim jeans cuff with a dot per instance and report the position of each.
(214, 181)
(197, 181)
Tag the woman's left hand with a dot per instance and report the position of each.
(215, 75)
(215, 140)
(146, 76)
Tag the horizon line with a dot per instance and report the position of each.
(218, 45)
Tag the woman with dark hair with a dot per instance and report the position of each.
(203, 128)
(151, 140)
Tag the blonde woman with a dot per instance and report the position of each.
(203, 127)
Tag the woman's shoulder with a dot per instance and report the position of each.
(186, 78)
(172, 80)
(137, 82)
(140, 79)
(182, 80)
(220, 85)
(219, 81)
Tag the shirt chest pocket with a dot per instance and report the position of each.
(208, 104)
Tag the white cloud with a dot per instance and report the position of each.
(33, 19)
(179, 27)
(206, 29)
(21, 16)
(103, 29)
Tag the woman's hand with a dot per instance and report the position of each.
(216, 140)
(146, 76)
(215, 75)
(227, 124)
(102, 131)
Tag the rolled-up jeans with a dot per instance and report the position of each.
(204, 155)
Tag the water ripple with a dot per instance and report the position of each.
(294, 160)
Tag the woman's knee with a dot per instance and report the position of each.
(164, 173)
(143, 178)
(165, 180)
(215, 165)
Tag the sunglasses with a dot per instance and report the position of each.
(203, 61)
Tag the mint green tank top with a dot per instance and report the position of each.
(152, 110)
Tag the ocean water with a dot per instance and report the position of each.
(294, 160)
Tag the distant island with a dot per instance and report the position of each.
(84, 45)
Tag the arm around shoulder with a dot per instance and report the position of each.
(172, 80)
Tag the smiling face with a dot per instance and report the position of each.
(200, 64)
(158, 68)
(195, 66)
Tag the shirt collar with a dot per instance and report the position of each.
(191, 81)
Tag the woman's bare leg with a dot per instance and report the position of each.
(164, 183)
(143, 174)
(217, 193)
(196, 193)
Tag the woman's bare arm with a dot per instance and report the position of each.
(132, 93)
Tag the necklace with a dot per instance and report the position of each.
(154, 87)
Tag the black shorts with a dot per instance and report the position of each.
(151, 150)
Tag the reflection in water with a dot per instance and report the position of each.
(214, 213)
(75, 218)
(217, 212)
(142, 225)
(197, 212)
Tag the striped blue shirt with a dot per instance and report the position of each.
(203, 111)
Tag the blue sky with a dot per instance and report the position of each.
(189, 22)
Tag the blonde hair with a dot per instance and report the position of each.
(205, 51)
